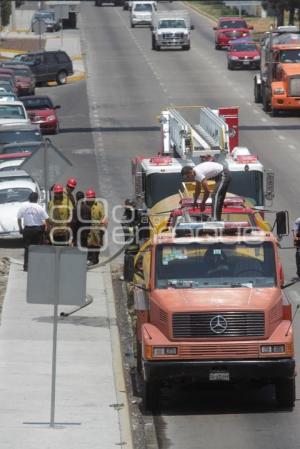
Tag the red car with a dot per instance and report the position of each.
(42, 112)
(228, 29)
(24, 77)
(243, 55)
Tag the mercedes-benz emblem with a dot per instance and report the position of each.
(218, 324)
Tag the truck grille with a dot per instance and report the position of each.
(294, 87)
(218, 324)
(219, 351)
(172, 35)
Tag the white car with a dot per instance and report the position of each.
(13, 112)
(13, 194)
(11, 164)
(141, 13)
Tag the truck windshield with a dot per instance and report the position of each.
(290, 56)
(161, 185)
(172, 23)
(249, 185)
(215, 265)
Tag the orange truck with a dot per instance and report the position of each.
(277, 86)
(210, 307)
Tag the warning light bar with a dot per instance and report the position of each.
(158, 160)
(195, 229)
(245, 159)
(234, 201)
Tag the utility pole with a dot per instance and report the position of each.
(13, 15)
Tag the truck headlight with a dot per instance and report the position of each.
(279, 91)
(272, 349)
(164, 351)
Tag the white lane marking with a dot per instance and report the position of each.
(249, 103)
(292, 147)
(281, 137)
(263, 119)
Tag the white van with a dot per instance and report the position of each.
(141, 12)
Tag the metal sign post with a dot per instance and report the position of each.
(39, 27)
(61, 281)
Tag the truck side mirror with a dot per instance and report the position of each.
(282, 223)
(128, 267)
(269, 195)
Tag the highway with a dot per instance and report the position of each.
(111, 119)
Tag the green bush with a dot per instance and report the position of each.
(5, 12)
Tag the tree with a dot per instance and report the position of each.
(5, 6)
(280, 6)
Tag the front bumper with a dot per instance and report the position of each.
(245, 64)
(267, 370)
(292, 103)
(141, 21)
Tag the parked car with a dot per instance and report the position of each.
(52, 24)
(48, 65)
(19, 133)
(228, 29)
(20, 147)
(13, 193)
(13, 112)
(11, 80)
(7, 87)
(243, 55)
(25, 79)
(11, 164)
(42, 111)
(7, 96)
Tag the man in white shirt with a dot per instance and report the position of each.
(32, 221)
(203, 172)
(296, 235)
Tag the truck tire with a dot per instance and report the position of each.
(257, 93)
(266, 104)
(153, 43)
(132, 25)
(157, 47)
(274, 112)
(128, 268)
(186, 47)
(151, 395)
(285, 392)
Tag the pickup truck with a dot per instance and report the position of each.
(171, 29)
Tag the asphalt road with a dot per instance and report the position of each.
(128, 85)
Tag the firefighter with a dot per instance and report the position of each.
(98, 221)
(296, 236)
(203, 172)
(60, 210)
(69, 190)
(81, 221)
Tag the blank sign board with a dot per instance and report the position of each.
(56, 275)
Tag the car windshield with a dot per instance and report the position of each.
(37, 103)
(19, 136)
(243, 47)
(11, 112)
(22, 72)
(143, 7)
(15, 195)
(161, 185)
(211, 265)
(290, 56)
(172, 23)
(44, 15)
(227, 217)
(233, 24)
(249, 185)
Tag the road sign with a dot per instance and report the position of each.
(39, 26)
(46, 165)
(61, 275)
(56, 275)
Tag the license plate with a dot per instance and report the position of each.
(246, 62)
(219, 376)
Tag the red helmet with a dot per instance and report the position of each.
(58, 188)
(90, 193)
(72, 183)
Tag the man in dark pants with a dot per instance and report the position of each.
(201, 173)
(296, 235)
(32, 220)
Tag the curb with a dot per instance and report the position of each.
(71, 79)
(118, 369)
(201, 13)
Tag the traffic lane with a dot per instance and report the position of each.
(75, 139)
(125, 98)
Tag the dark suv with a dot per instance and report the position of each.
(48, 65)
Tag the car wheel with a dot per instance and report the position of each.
(157, 47)
(217, 46)
(229, 66)
(61, 77)
(257, 96)
(285, 392)
(186, 47)
(266, 104)
(153, 43)
(132, 25)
